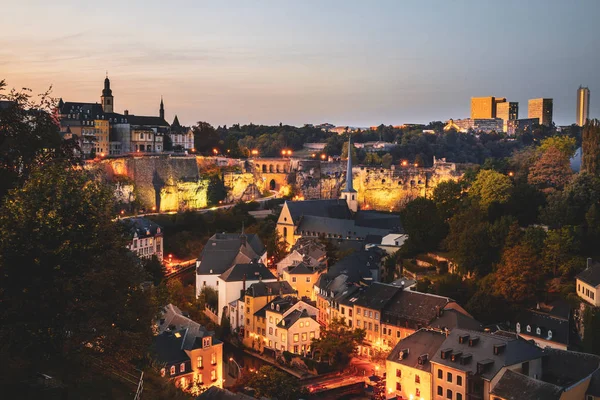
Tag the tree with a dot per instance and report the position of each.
(216, 189)
(155, 269)
(345, 153)
(29, 136)
(564, 144)
(338, 342)
(560, 249)
(386, 160)
(518, 275)
(447, 196)
(68, 284)
(206, 137)
(423, 224)
(270, 382)
(551, 171)
(590, 159)
(491, 187)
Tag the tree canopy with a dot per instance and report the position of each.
(338, 342)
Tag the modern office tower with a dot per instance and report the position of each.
(540, 109)
(583, 105)
(483, 107)
(507, 111)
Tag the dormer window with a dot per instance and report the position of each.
(272, 306)
(538, 331)
(277, 307)
(528, 329)
(163, 372)
(549, 334)
(518, 327)
(182, 367)
(172, 370)
(206, 342)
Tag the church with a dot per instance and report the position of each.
(335, 219)
(101, 131)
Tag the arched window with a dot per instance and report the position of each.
(528, 328)
(284, 233)
(163, 371)
(172, 370)
(549, 334)
(518, 327)
(182, 367)
(538, 331)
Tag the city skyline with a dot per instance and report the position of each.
(348, 63)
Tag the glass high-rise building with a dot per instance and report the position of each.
(540, 109)
(583, 105)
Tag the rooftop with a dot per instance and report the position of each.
(423, 342)
(223, 250)
(516, 386)
(141, 226)
(249, 271)
(591, 275)
(334, 208)
(261, 289)
(550, 327)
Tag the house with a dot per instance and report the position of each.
(588, 283)
(146, 237)
(546, 325)
(235, 279)
(187, 353)
(251, 300)
(307, 250)
(469, 364)
(408, 366)
(224, 250)
(303, 277)
(182, 137)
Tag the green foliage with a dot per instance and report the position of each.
(590, 160)
(155, 269)
(564, 144)
(68, 284)
(591, 323)
(345, 153)
(447, 197)
(216, 190)
(551, 171)
(338, 342)
(491, 187)
(560, 251)
(266, 229)
(270, 382)
(206, 138)
(422, 223)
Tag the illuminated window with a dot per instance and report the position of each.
(312, 334)
(172, 370)
(182, 367)
(163, 371)
(304, 336)
(417, 379)
(306, 323)
(213, 375)
(296, 337)
(199, 362)
(213, 358)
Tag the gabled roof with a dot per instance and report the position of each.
(284, 303)
(565, 368)
(293, 317)
(513, 351)
(421, 342)
(147, 120)
(337, 227)
(451, 319)
(516, 386)
(310, 247)
(142, 226)
(414, 309)
(261, 289)
(376, 296)
(223, 250)
(301, 269)
(333, 208)
(358, 265)
(591, 275)
(249, 271)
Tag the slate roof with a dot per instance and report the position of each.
(564, 368)
(421, 342)
(216, 393)
(147, 120)
(301, 269)
(249, 271)
(337, 227)
(310, 247)
(516, 386)
(559, 327)
(594, 388)
(452, 319)
(261, 289)
(413, 309)
(591, 275)
(168, 347)
(516, 351)
(224, 250)
(379, 220)
(358, 265)
(333, 208)
(284, 303)
(376, 296)
(142, 226)
(293, 317)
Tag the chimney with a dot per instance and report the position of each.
(126, 112)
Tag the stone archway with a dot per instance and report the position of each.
(264, 168)
(272, 184)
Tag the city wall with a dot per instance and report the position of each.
(179, 183)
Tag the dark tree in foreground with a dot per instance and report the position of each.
(29, 136)
(338, 342)
(68, 285)
(423, 224)
(270, 382)
(590, 156)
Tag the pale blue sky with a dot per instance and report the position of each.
(346, 62)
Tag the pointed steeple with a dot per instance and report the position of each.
(175, 123)
(349, 187)
(162, 108)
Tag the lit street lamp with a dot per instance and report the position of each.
(323, 157)
(239, 369)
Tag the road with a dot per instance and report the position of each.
(359, 370)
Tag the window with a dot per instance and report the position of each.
(528, 328)
(301, 324)
(417, 379)
(398, 373)
(449, 377)
(270, 319)
(206, 342)
(308, 279)
(518, 327)
(383, 330)
(448, 394)
(270, 330)
(294, 279)
(376, 328)
(370, 314)
(365, 313)
(350, 312)
(312, 334)
(417, 392)
(398, 386)
(270, 343)
(538, 331)
(306, 324)
(163, 371)
(398, 336)
(549, 334)
(172, 370)
(199, 362)
(304, 337)
(283, 337)
(370, 326)
(213, 358)
(376, 315)
(296, 349)
(459, 380)
(358, 323)
(440, 374)
(458, 396)
(296, 337)
(440, 391)
(182, 367)
(358, 311)
(213, 375)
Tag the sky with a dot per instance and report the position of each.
(358, 63)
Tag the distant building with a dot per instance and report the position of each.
(507, 111)
(291, 325)
(146, 237)
(588, 283)
(302, 278)
(485, 107)
(475, 125)
(182, 137)
(583, 105)
(540, 109)
(547, 326)
(518, 125)
(306, 250)
(187, 352)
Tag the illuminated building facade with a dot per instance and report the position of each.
(583, 105)
(540, 109)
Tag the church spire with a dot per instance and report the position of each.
(349, 187)
(107, 98)
(162, 108)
